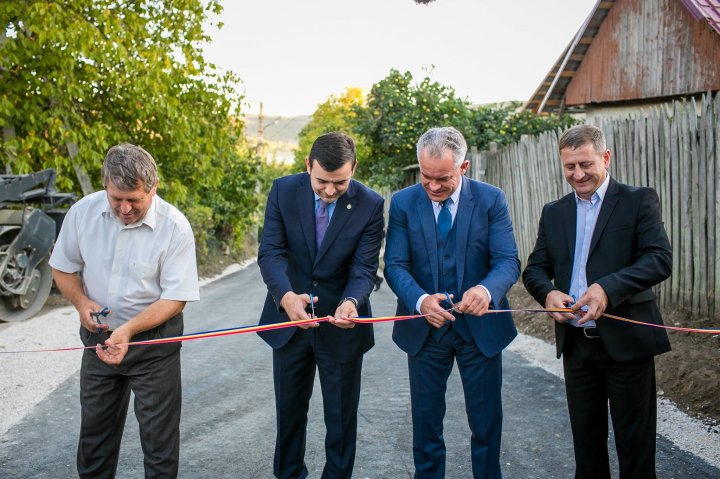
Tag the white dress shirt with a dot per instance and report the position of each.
(126, 268)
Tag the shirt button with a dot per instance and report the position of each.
(315, 283)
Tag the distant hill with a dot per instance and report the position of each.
(284, 129)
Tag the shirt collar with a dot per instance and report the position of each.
(599, 194)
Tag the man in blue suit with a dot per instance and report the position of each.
(319, 251)
(451, 238)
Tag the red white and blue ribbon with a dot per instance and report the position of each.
(369, 320)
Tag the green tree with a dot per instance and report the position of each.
(337, 113)
(77, 76)
(504, 124)
(398, 112)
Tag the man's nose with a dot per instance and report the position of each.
(125, 208)
(330, 190)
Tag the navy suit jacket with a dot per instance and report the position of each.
(629, 253)
(345, 265)
(486, 254)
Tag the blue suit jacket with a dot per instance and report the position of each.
(345, 265)
(486, 254)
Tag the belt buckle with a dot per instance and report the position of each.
(595, 334)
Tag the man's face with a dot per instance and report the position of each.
(584, 168)
(329, 185)
(129, 206)
(439, 176)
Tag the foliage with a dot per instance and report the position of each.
(337, 113)
(387, 126)
(94, 73)
(504, 125)
(397, 113)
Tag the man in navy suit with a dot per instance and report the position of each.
(604, 244)
(319, 252)
(451, 239)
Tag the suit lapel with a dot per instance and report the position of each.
(465, 210)
(569, 213)
(427, 222)
(343, 211)
(608, 205)
(306, 208)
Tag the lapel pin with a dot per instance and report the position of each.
(349, 207)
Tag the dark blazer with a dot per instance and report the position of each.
(345, 265)
(486, 254)
(629, 254)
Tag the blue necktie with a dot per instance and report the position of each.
(445, 221)
(321, 222)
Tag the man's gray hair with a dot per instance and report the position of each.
(127, 165)
(580, 135)
(436, 140)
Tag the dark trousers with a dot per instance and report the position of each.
(481, 378)
(592, 380)
(294, 374)
(153, 374)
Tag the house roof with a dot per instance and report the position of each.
(705, 9)
(549, 96)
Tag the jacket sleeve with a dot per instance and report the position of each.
(397, 258)
(653, 260)
(364, 263)
(273, 250)
(539, 272)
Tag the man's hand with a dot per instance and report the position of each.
(557, 299)
(295, 304)
(344, 312)
(475, 301)
(87, 320)
(437, 316)
(596, 301)
(116, 347)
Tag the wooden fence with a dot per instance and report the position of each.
(674, 149)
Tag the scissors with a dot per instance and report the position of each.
(312, 305)
(96, 314)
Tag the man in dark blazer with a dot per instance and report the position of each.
(321, 237)
(451, 239)
(604, 245)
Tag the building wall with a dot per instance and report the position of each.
(647, 49)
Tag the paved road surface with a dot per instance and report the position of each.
(228, 413)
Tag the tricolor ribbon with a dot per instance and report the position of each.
(369, 320)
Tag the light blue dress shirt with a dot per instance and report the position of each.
(587, 214)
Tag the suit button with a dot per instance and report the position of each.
(315, 283)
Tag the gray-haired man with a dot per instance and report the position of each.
(451, 237)
(127, 250)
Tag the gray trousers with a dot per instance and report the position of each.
(151, 372)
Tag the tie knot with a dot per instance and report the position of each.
(447, 203)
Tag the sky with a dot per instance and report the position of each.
(293, 54)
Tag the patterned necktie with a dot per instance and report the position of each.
(321, 222)
(445, 221)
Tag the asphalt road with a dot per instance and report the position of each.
(228, 422)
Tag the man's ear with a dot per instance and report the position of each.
(308, 164)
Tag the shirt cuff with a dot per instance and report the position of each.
(419, 302)
(488, 293)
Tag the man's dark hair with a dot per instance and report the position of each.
(580, 135)
(332, 151)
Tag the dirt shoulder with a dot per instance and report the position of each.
(687, 375)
